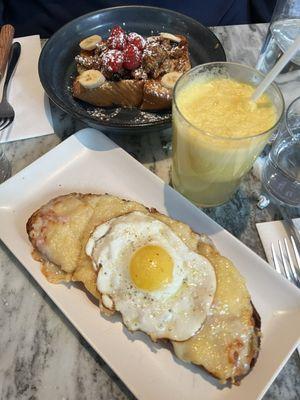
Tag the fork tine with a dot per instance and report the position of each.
(284, 263)
(296, 252)
(10, 120)
(291, 263)
(276, 263)
(6, 123)
(275, 259)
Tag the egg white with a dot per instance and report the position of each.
(176, 311)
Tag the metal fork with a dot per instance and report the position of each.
(290, 269)
(7, 113)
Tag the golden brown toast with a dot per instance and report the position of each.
(60, 229)
(228, 343)
(220, 347)
(141, 87)
(155, 96)
(124, 93)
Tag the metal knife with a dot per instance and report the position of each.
(6, 37)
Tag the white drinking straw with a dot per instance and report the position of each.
(264, 84)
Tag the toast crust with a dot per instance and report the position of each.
(124, 93)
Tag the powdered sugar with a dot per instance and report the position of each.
(103, 114)
(112, 60)
(139, 74)
(132, 57)
(145, 117)
(148, 60)
(133, 117)
(117, 39)
(88, 62)
(137, 40)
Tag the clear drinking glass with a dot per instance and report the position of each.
(283, 29)
(281, 172)
(207, 169)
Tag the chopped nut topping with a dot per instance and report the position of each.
(159, 55)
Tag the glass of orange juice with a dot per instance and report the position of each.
(218, 131)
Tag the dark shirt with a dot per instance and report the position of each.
(46, 16)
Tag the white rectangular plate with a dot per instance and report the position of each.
(90, 162)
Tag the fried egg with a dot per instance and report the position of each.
(148, 274)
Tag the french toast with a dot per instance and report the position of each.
(226, 346)
(128, 70)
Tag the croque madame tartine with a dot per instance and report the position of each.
(227, 345)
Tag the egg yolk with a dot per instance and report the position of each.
(151, 268)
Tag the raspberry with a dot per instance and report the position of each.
(137, 40)
(112, 60)
(116, 30)
(117, 39)
(132, 57)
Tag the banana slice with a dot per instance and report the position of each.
(90, 42)
(168, 80)
(171, 37)
(91, 79)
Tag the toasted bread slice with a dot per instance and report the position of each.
(228, 343)
(55, 231)
(149, 95)
(60, 229)
(155, 96)
(124, 93)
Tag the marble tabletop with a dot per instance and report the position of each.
(42, 356)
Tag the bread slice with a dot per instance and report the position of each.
(228, 343)
(125, 93)
(155, 96)
(60, 229)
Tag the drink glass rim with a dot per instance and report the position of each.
(219, 63)
(286, 116)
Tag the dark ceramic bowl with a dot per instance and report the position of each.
(57, 67)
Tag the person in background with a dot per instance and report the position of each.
(44, 17)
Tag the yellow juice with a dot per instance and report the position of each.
(216, 137)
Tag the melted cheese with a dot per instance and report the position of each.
(225, 345)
